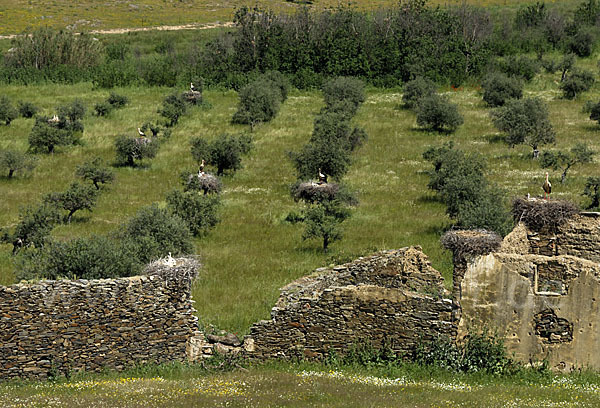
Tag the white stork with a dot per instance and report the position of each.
(54, 119)
(547, 187)
(322, 177)
(142, 134)
(201, 169)
(192, 87)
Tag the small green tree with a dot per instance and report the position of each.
(525, 121)
(416, 89)
(579, 154)
(280, 81)
(117, 101)
(576, 82)
(77, 197)
(592, 191)
(438, 113)
(199, 211)
(333, 127)
(498, 88)
(131, 148)
(27, 109)
(154, 233)
(15, 161)
(96, 171)
(225, 152)
(7, 111)
(566, 65)
(173, 108)
(332, 159)
(34, 226)
(344, 89)
(260, 101)
(103, 108)
(45, 137)
(582, 43)
(323, 221)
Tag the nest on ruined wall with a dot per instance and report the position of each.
(174, 269)
(205, 182)
(541, 214)
(471, 242)
(313, 192)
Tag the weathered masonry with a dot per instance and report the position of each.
(541, 291)
(63, 326)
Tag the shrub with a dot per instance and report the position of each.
(225, 152)
(489, 211)
(45, 137)
(580, 153)
(115, 73)
(582, 44)
(95, 257)
(332, 160)
(344, 89)
(525, 121)
(416, 89)
(27, 109)
(103, 108)
(117, 101)
(576, 82)
(439, 114)
(7, 111)
(588, 12)
(77, 197)
(334, 128)
(592, 191)
(280, 81)
(595, 112)
(323, 221)
(172, 109)
(96, 171)
(74, 111)
(521, 66)
(154, 233)
(15, 161)
(158, 71)
(259, 102)
(498, 88)
(198, 211)
(131, 148)
(34, 226)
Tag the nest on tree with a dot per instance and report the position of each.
(471, 242)
(543, 214)
(183, 270)
(203, 182)
(314, 192)
(192, 97)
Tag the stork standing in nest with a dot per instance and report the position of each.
(322, 178)
(142, 134)
(192, 88)
(201, 169)
(547, 187)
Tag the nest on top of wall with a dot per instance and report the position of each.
(315, 192)
(174, 269)
(540, 214)
(464, 243)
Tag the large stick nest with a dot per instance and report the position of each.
(203, 182)
(314, 192)
(192, 97)
(183, 270)
(541, 214)
(471, 242)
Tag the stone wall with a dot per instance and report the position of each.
(63, 326)
(393, 297)
(541, 292)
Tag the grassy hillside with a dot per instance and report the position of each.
(253, 252)
(88, 15)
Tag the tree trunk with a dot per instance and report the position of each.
(325, 242)
(564, 175)
(10, 173)
(70, 216)
(96, 185)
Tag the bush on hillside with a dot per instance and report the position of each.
(45, 136)
(95, 257)
(331, 159)
(520, 66)
(439, 114)
(7, 111)
(225, 152)
(77, 197)
(103, 108)
(525, 121)
(498, 88)
(34, 227)
(172, 109)
(27, 109)
(344, 89)
(130, 148)
(117, 101)
(154, 233)
(12, 161)
(333, 127)
(416, 89)
(197, 210)
(259, 102)
(579, 154)
(96, 171)
(582, 44)
(592, 191)
(576, 82)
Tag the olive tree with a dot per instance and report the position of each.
(15, 161)
(579, 154)
(96, 171)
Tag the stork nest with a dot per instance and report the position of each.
(540, 214)
(205, 182)
(312, 192)
(192, 97)
(183, 270)
(471, 242)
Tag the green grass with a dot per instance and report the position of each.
(253, 251)
(304, 385)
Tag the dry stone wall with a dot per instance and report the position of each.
(55, 327)
(392, 298)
